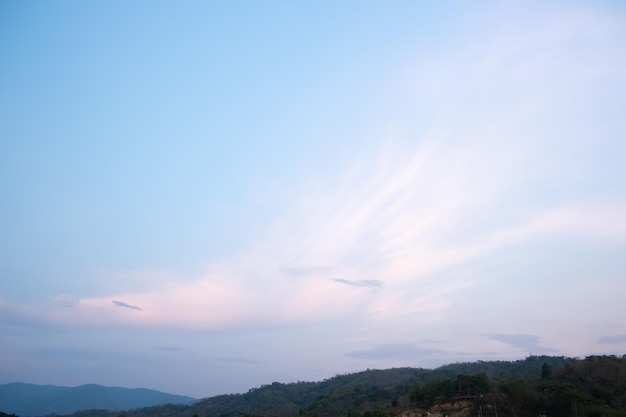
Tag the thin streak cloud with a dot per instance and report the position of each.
(398, 351)
(170, 349)
(125, 305)
(612, 340)
(359, 283)
(529, 343)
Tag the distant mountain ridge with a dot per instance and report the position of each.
(30, 400)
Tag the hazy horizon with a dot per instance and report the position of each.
(202, 197)
(285, 382)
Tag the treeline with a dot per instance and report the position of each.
(593, 387)
(535, 386)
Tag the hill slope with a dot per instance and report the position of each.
(38, 400)
(352, 394)
(537, 385)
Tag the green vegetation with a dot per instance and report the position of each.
(536, 386)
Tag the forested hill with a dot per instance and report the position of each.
(538, 385)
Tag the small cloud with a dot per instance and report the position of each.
(66, 301)
(610, 340)
(168, 348)
(65, 353)
(235, 359)
(309, 270)
(125, 305)
(431, 341)
(395, 351)
(526, 342)
(369, 283)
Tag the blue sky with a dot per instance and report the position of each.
(203, 197)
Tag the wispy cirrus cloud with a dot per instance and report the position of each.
(67, 301)
(484, 175)
(309, 270)
(526, 342)
(236, 360)
(397, 351)
(170, 349)
(367, 283)
(610, 340)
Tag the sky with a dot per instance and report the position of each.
(205, 197)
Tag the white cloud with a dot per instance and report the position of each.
(363, 239)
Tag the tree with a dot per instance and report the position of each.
(546, 371)
(479, 384)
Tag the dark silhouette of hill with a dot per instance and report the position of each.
(360, 392)
(363, 391)
(27, 400)
(538, 385)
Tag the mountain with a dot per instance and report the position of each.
(27, 400)
(352, 395)
(537, 385)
